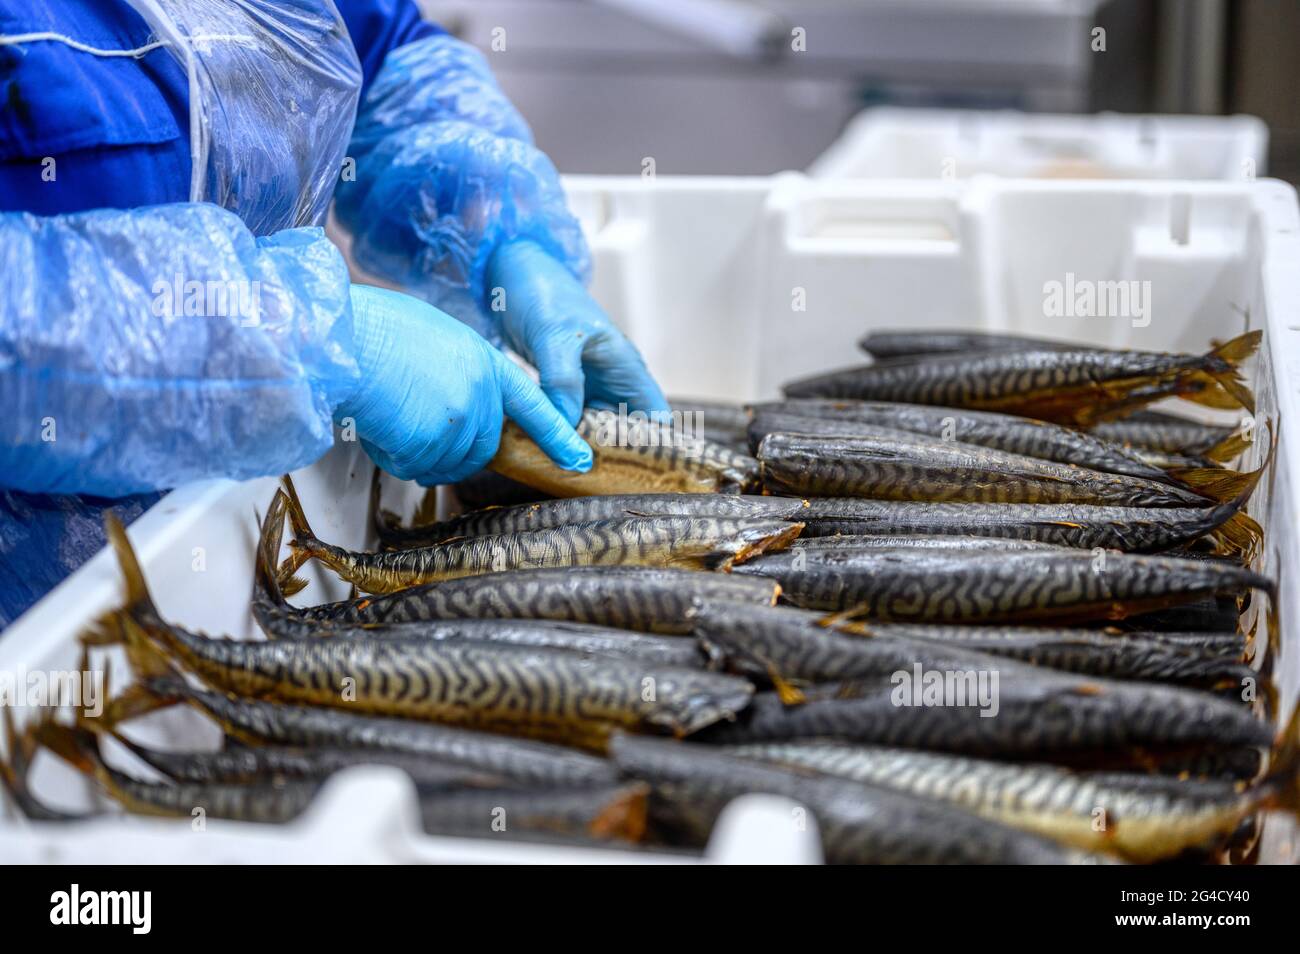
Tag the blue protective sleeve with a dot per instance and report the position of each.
(143, 349)
(446, 172)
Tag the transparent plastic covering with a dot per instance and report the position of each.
(142, 349)
(445, 173)
(273, 95)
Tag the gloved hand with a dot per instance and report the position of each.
(551, 320)
(433, 392)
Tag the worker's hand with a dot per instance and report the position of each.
(550, 319)
(433, 392)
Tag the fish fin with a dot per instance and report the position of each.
(77, 746)
(302, 546)
(624, 817)
(1221, 392)
(786, 691)
(137, 592)
(146, 659)
(268, 550)
(1232, 354)
(847, 615)
(353, 592)
(293, 585)
(1228, 449)
(1216, 483)
(1239, 534)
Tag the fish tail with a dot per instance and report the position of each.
(137, 592)
(1222, 367)
(1239, 535)
(77, 746)
(305, 543)
(1228, 448)
(268, 550)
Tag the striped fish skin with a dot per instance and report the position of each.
(901, 466)
(918, 541)
(1132, 529)
(989, 587)
(630, 457)
(1146, 819)
(1004, 432)
(798, 646)
(1163, 432)
(260, 722)
(562, 511)
(1077, 386)
(693, 542)
(600, 812)
(538, 634)
(263, 803)
(1040, 713)
(1083, 651)
(241, 765)
(889, 344)
(1227, 644)
(551, 695)
(646, 599)
(793, 645)
(859, 824)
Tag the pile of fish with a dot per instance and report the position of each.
(970, 603)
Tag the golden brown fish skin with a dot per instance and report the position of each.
(1143, 818)
(687, 542)
(642, 457)
(554, 695)
(1079, 387)
(901, 466)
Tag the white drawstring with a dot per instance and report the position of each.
(139, 51)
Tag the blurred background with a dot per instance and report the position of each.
(758, 86)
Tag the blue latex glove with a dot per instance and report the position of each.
(433, 394)
(145, 348)
(550, 319)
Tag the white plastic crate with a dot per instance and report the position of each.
(887, 143)
(730, 286)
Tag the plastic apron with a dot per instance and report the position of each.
(274, 86)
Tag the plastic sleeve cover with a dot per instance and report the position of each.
(146, 348)
(445, 172)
